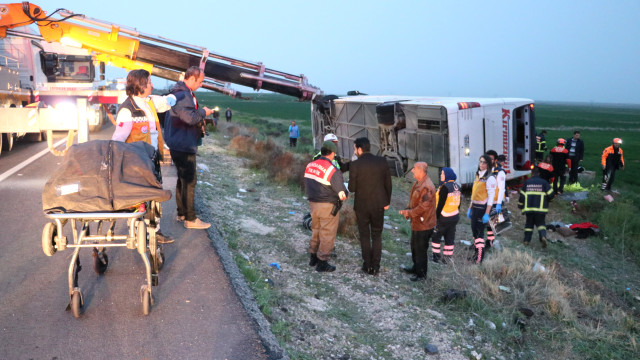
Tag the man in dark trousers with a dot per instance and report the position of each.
(228, 114)
(370, 179)
(559, 160)
(182, 130)
(325, 190)
(612, 160)
(422, 212)
(534, 202)
(576, 152)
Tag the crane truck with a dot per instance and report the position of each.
(115, 45)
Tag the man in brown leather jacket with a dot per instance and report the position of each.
(422, 212)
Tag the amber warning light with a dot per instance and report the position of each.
(468, 105)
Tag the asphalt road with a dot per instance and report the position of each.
(196, 315)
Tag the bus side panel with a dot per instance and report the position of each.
(456, 150)
(354, 120)
(471, 140)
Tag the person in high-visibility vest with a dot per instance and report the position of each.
(337, 161)
(612, 160)
(541, 145)
(137, 120)
(324, 187)
(498, 199)
(447, 216)
(534, 202)
(482, 196)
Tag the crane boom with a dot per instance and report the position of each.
(127, 48)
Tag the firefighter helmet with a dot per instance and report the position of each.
(330, 137)
(561, 141)
(617, 141)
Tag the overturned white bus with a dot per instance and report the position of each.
(444, 132)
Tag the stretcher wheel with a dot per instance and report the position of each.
(98, 265)
(160, 258)
(49, 234)
(76, 303)
(146, 300)
(141, 237)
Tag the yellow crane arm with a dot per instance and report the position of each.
(127, 48)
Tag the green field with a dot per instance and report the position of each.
(587, 310)
(598, 125)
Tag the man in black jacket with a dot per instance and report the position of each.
(576, 153)
(182, 130)
(370, 179)
(325, 190)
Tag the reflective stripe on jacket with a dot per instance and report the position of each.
(535, 195)
(452, 201)
(320, 170)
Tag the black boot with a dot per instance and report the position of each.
(324, 266)
(313, 260)
(436, 257)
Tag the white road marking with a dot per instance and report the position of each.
(18, 167)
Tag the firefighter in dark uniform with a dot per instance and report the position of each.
(534, 202)
(612, 160)
(541, 145)
(559, 161)
(447, 216)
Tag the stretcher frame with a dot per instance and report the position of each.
(139, 237)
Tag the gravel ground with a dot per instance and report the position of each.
(341, 315)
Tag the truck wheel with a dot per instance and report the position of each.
(7, 141)
(36, 137)
(95, 128)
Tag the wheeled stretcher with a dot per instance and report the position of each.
(500, 222)
(108, 183)
(139, 237)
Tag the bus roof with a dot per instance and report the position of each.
(431, 100)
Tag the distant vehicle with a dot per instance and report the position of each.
(442, 131)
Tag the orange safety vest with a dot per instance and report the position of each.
(140, 130)
(609, 151)
(479, 190)
(452, 202)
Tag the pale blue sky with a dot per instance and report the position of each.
(544, 50)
